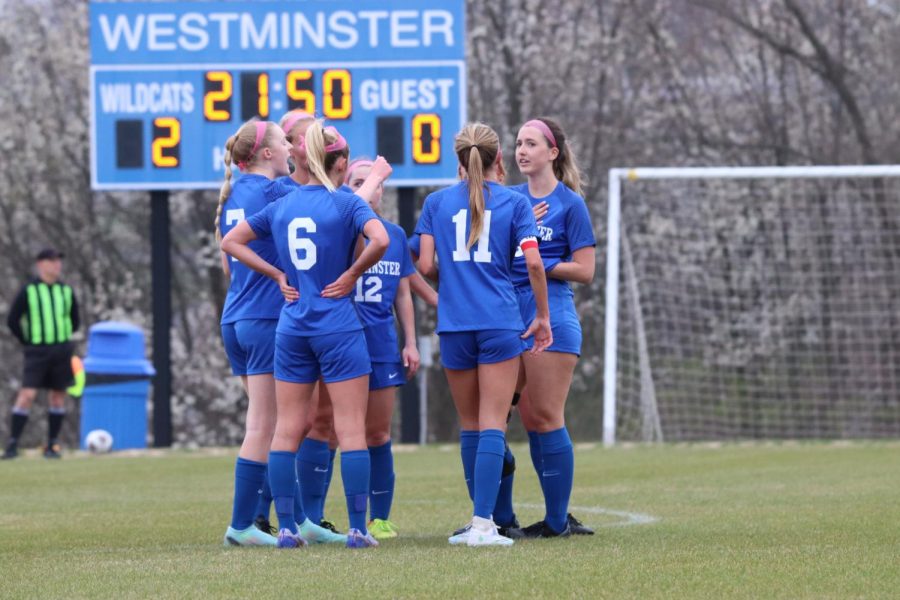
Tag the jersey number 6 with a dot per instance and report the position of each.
(296, 243)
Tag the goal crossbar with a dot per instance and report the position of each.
(616, 178)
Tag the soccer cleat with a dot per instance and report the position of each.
(52, 451)
(484, 533)
(577, 527)
(357, 539)
(328, 525)
(512, 530)
(542, 530)
(382, 529)
(286, 539)
(11, 451)
(533, 530)
(316, 534)
(249, 537)
(461, 535)
(263, 525)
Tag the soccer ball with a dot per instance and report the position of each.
(99, 441)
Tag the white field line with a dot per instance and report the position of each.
(628, 518)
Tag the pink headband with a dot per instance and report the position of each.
(355, 164)
(542, 127)
(261, 127)
(294, 117)
(339, 144)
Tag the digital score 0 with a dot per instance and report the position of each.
(169, 126)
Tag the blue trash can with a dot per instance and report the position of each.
(118, 380)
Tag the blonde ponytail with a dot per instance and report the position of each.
(477, 147)
(226, 186)
(319, 160)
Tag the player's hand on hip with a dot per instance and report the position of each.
(341, 287)
(411, 360)
(290, 294)
(543, 334)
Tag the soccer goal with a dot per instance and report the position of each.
(752, 303)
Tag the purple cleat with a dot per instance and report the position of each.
(358, 539)
(286, 539)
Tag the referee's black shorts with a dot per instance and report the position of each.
(48, 366)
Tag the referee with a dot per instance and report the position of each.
(43, 317)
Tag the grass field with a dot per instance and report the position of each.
(809, 520)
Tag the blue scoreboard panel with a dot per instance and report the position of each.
(171, 81)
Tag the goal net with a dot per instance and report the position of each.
(753, 303)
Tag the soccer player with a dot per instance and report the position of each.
(249, 317)
(315, 230)
(567, 249)
(315, 457)
(474, 227)
(250, 314)
(385, 287)
(295, 123)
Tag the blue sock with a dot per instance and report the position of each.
(534, 447)
(381, 480)
(264, 503)
(312, 467)
(488, 468)
(559, 469)
(327, 484)
(468, 447)
(283, 480)
(355, 466)
(299, 513)
(249, 476)
(503, 510)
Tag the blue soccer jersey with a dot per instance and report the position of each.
(476, 287)
(251, 295)
(414, 241)
(315, 234)
(286, 184)
(375, 294)
(564, 229)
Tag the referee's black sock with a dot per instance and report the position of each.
(19, 419)
(55, 418)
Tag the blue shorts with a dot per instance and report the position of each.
(387, 375)
(333, 357)
(462, 350)
(250, 346)
(563, 321)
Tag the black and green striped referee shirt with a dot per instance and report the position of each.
(44, 313)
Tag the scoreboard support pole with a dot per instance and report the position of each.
(161, 276)
(409, 394)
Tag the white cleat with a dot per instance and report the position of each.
(460, 537)
(484, 533)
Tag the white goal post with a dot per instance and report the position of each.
(755, 188)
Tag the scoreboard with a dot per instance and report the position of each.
(171, 81)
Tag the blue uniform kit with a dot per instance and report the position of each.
(564, 229)
(253, 302)
(315, 232)
(375, 293)
(477, 292)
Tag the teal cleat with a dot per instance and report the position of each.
(316, 534)
(248, 537)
